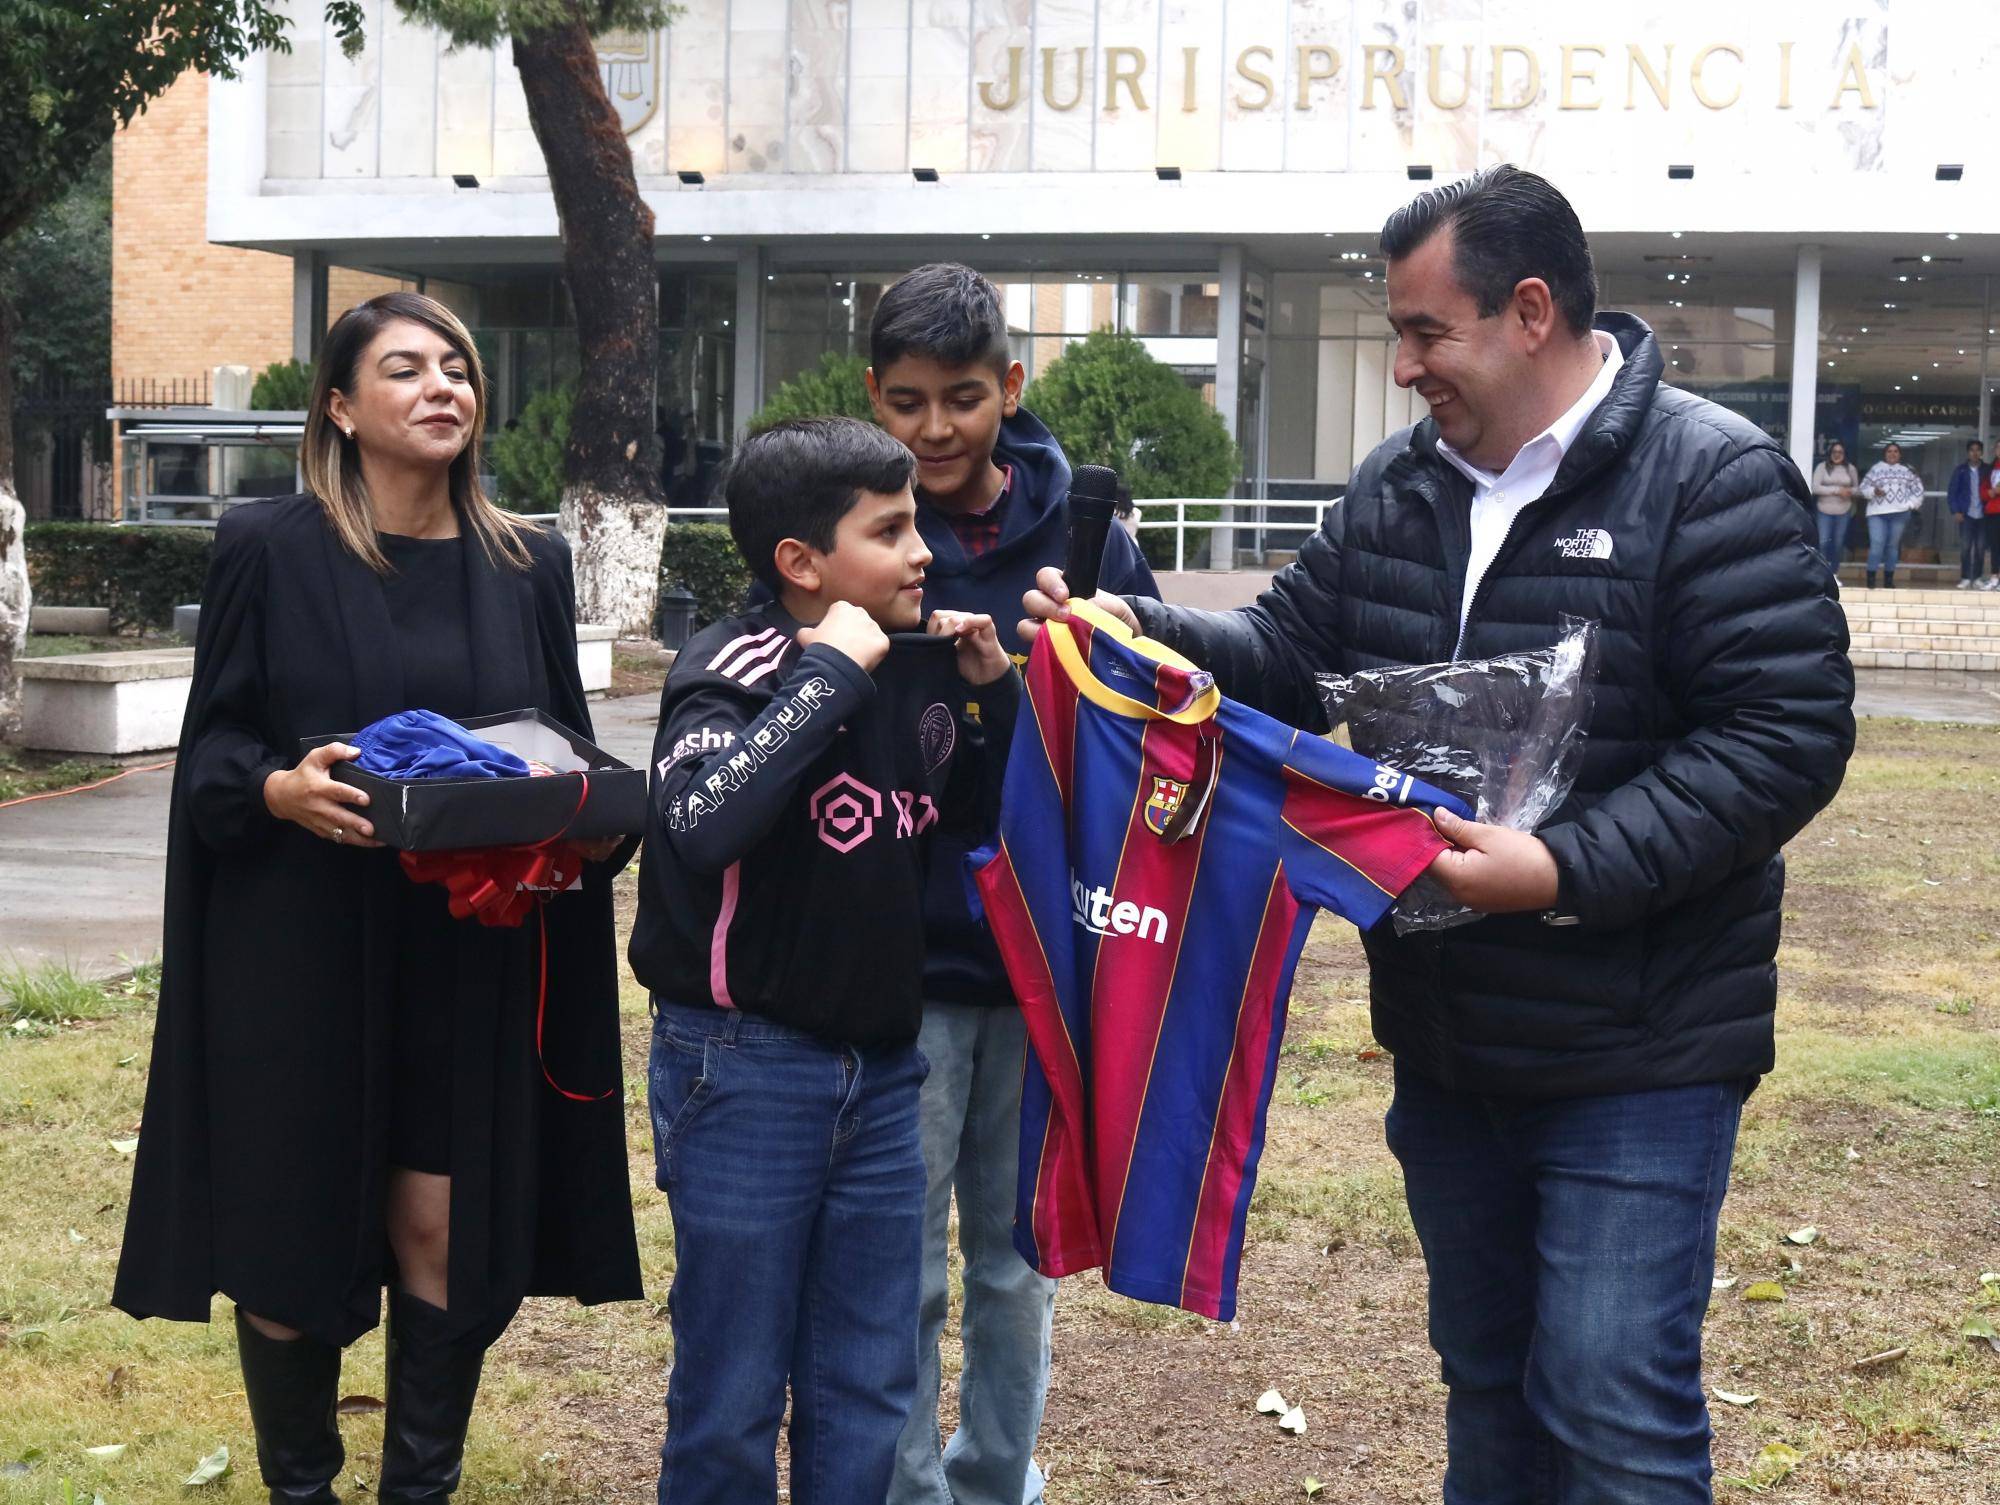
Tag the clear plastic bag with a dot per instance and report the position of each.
(1504, 734)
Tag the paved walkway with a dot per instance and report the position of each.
(81, 876)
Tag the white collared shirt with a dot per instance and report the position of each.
(1498, 499)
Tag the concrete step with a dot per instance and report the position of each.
(1891, 658)
(1860, 595)
(1902, 643)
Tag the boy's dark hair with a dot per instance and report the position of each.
(1507, 225)
(799, 478)
(945, 311)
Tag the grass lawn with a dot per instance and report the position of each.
(1880, 1130)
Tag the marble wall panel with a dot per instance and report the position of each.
(465, 110)
(409, 96)
(1254, 102)
(1065, 130)
(1128, 49)
(696, 105)
(1193, 71)
(352, 119)
(817, 114)
(1316, 136)
(1387, 87)
(758, 66)
(940, 84)
(1003, 77)
(516, 153)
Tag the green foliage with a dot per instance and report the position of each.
(703, 557)
(1111, 403)
(282, 387)
(71, 75)
(834, 390)
(481, 23)
(56, 274)
(47, 993)
(141, 574)
(527, 459)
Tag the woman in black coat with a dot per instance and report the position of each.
(345, 1089)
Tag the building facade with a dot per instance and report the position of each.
(1803, 201)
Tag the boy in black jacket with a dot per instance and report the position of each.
(804, 758)
(992, 504)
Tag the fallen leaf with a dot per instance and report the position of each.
(1270, 1403)
(1773, 1463)
(77, 1238)
(359, 1405)
(1876, 1360)
(1980, 1328)
(1311, 1487)
(1736, 1397)
(109, 1450)
(119, 1380)
(1990, 1278)
(128, 1060)
(1803, 1236)
(123, 1146)
(1724, 1282)
(1851, 1153)
(1294, 1421)
(211, 1468)
(1764, 1290)
(1368, 1055)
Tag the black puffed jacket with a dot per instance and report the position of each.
(1723, 723)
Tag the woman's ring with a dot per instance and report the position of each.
(340, 833)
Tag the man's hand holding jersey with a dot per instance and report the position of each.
(1491, 869)
(981, 659)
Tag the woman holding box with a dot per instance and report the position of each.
(345, 1090)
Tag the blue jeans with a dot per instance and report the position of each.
(1885, 540)
(1832, 536)
(1971, 546)
(796, 1181)
(1571, 1250)
(972, 1144)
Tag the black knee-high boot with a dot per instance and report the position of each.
(433, 1379)
(293, 1388)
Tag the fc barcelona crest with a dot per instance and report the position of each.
(1164, 803)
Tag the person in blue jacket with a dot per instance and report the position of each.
(992, 504)
(1964, 496)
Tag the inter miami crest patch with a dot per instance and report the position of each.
(1164, 804)
(937, 734)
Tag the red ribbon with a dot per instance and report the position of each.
(502, 886)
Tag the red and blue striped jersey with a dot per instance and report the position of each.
(1162, 852)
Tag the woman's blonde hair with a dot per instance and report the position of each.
(331, 460)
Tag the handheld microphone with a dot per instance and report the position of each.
(1093, 497)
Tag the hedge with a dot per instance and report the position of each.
(141, 574)
(703, 557)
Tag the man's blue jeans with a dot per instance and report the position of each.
(1571, 1249)
(796, 1181)
(972, 1144)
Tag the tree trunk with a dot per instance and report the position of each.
(14, 593)
(612, 500)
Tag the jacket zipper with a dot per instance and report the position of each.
(1479, 586)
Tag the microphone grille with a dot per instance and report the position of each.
(1099, 481)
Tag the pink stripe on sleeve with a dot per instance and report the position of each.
(718, 944)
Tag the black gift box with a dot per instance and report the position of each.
(444, 815)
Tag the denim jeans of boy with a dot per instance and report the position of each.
(972, 1146)
(1832, 536)
(1885, 540)
(796, 1181)
(1971, 546)
(1571, 1250)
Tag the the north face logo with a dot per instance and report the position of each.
(1585, 543)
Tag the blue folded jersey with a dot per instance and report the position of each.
(425, 745)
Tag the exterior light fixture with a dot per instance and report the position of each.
(1167, 174)
(1950, 172)
(464, 180)
(692, 178)
(1677, 235)
(707, 238)
(924, 174)
(1681, 171)
(1420, 172)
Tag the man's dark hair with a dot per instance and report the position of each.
(799, 478)
(944, 311)
(1975, 444)
(1507, 225)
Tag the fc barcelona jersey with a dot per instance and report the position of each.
(1162, 852)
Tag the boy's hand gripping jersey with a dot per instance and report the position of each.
(1162, 853)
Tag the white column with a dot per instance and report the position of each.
(748, 325)
(308, 303)
(1805, 359)
(1228, 383)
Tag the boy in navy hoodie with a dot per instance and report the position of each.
(992, 504)
(810, 753)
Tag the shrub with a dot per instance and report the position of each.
(703, 557)
(835, 390)
(1109, 402)
(141, 574)
(282, 387)
(527, 459)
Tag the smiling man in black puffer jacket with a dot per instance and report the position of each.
(1570, 1071)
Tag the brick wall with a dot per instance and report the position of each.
(178, 304)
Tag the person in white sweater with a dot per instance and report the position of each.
(1894, 493)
